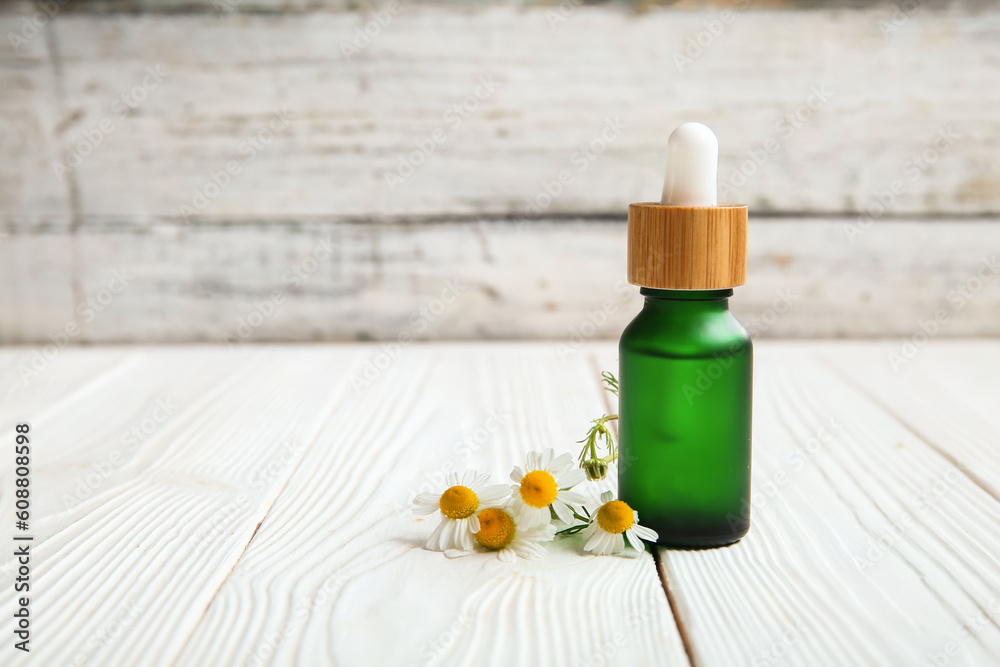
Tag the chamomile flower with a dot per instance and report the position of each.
(545, 483)
(458, 505)
(613, 522)
(501, 532)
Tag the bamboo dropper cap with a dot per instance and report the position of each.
(687, 247)
(688, 241)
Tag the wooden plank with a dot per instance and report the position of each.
(150, 480)
(866, 546)
(337, 574)
(355, 119)
(944, 391)
(560, 280)
(32, 119)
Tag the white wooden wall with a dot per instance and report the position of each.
(903, 108)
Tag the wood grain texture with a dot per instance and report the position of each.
(867, 546)
(687, 247)
(337, 573)
(152, 470)
(264, 519)
(550, 279)
(823, 111)
(947, 392)
(32, 118)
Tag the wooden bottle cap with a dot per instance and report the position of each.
(687, 247)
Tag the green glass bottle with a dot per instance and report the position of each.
(684, 417)
(685, 362)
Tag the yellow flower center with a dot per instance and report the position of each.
(538, 488)
(458, 502)
(615, 517)
(496, 528)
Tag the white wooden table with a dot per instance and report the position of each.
(207, 506)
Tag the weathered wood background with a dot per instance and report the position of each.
(258, 171)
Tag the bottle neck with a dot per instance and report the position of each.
(693, 300)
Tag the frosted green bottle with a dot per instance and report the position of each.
(684, 417)
(685, 363)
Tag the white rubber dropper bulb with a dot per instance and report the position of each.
(692, 167)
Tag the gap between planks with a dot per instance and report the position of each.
(327, 413)
(661, 572)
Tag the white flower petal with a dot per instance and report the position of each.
(474, 524)
(481, 481)
(571, 478)
(589, 531)
(515, 500)
(517, 474)
(493, 494)
(535, 516)
(434, 539)
(560, 464)
(563, 511)
(619, 543)
(633, 540)
(545, 533)
(527, 549)
(468, 477)
(456, 553)
(447, 538)
(596, 538)
(543, 463)
(506, 555)
(607, 497)
(451, 479)
(426, 503)
(601, 541)
(644, 533)
(571, 498)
